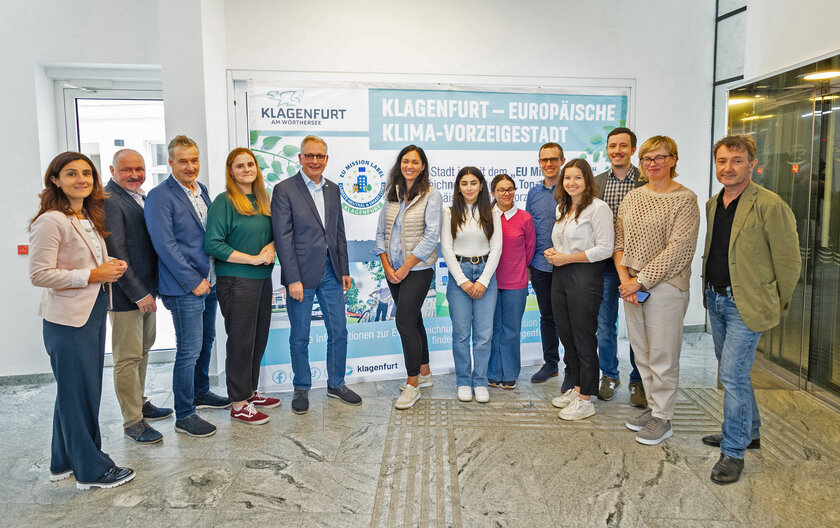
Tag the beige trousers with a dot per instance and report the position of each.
(132, 335)
(656, 330)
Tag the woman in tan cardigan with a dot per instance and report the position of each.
(655, 238)
(70, 261)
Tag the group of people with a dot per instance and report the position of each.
(583, 241)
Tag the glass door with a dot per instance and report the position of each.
(795, 124)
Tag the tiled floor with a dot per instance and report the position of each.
(442, 463)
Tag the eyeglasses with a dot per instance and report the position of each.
(310, 157)
(505, 191)
(656, 160)
(545, 161)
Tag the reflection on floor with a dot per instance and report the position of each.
(511, 462)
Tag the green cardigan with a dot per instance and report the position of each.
(764, 260)
(227, 230)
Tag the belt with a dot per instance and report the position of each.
(720, 290)
(471, 260)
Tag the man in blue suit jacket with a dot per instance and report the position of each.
(311, 245)
(176, 215)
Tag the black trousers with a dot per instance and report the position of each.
(576, 299)
(246, 306)
(541, 282)
(409, 296)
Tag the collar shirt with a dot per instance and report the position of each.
(542, 208)
(507, 214)
(615, 190)
(197, 200)
(316, 190)
(139, 197)
(717, 267)
(593, 232)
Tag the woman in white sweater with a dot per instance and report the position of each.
(471, 243)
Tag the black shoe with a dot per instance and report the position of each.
(715, 440)
(345, 395)
(116, 476)
(142, 433)
(545, 372)
(208, 400)
(300, 401)
(195, 425)
(727, 470)
(493, 383)
(152, 413)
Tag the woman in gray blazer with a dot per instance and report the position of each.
(70, 261)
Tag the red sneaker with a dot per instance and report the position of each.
(249, 415)
(258, 400)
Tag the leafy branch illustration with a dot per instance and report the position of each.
(281, 164)
(598, 143)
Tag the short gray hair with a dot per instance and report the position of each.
(180, 141)
(314, 139)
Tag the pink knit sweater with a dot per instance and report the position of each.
(518, 242)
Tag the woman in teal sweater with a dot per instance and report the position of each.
(239, 238)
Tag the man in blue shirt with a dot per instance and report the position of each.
(542, 208)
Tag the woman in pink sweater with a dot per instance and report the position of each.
(518, 243)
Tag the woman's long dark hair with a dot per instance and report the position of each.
(54, 199)
(482, 204)
(564, 201)
(396, 180)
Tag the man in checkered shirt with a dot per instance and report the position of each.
(613, 186)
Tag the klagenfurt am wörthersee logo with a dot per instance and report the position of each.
(362, 186)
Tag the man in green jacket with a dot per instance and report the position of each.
(751, 265)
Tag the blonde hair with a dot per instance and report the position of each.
(241, 202)
(654, 143)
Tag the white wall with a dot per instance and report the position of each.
(33, 32)
(781, 33)
(666, 46)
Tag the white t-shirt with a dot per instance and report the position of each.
(471, 242)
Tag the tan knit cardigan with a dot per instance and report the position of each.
(658, 234)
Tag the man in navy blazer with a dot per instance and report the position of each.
(176, 215)
(134, 298)
(309, 236)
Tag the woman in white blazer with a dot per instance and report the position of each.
(70, 261)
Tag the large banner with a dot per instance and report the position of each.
(365, 126)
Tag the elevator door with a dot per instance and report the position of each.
(796, 132)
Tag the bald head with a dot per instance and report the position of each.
(128, 169)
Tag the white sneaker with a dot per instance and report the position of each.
(408, 398)
(465, 393)
(482, 395)
(568, 397)
(577, 410)
(422, 382)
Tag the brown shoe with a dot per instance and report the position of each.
(607, 389)
(637, 395)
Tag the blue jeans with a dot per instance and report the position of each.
(608, 328)
(330, 295)
(194, 319)
(471, 316)
(735, 350)
(507, 327)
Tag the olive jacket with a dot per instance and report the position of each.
(764, 259)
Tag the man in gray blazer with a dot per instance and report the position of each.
(613, 186)
(134, 305)
(312, 248)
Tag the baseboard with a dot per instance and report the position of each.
(694, 329)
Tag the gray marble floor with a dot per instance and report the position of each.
(511, 462)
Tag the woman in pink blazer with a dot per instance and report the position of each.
(70, 261)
